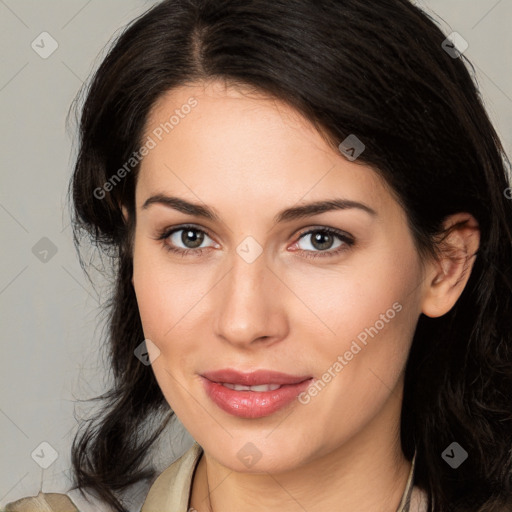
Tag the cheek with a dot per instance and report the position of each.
(154, 289)
(169, 299)
(165, 299)
(367, 323)
(346, 301)
(364, 317)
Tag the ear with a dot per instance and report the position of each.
(447, 276)
(125, 212)
(125, 217)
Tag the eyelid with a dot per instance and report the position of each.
(335, 231)
(168, 231)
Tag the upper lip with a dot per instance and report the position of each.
(255, 378)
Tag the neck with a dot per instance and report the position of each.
(368, 473)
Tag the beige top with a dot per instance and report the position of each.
(43, 502)
(171, 490)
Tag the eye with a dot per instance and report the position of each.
(190, 237)
(320, 240)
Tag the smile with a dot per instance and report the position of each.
(253, 395)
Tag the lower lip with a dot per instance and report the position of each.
(253, 404)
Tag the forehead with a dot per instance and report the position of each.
(240, 145)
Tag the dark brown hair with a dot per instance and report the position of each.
(374, 69)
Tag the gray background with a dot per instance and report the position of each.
(49, 311)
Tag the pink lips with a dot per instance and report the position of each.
(253, 404)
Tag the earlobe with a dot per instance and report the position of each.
(125, 212)
(448, 276)
(125, 217)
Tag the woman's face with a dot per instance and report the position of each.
(260, 289)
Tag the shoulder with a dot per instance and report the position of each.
(168, 492)
(131, 497)
(171, 490)
(76, 500)
(49, 502)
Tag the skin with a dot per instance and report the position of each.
(248, 157)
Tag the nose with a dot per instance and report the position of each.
(250, 309)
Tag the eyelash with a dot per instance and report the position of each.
(348, 241)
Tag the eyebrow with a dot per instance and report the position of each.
(287, 215)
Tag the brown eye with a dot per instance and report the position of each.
(185, 240)
(194, 237)
(323, 239)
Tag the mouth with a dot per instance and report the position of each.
(253, 395)
(254, 378)
(260, 388)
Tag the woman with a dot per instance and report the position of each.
(306, 205)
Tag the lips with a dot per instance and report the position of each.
(253, 395)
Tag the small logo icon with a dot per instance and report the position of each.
(44, 250)
(249, 249)
(454, 45)
(44, 45)
(147, 352)
(45, 455)
(249, 454)
(351, 147)
(454, 455)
